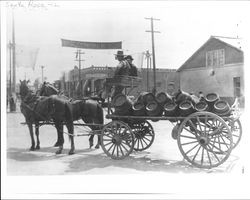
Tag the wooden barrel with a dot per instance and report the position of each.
(211, 98)
(122, 105)
(139, 109)
(162, 98)
(221, 107)
(201, 106)
(186, 108)
(171, 109)
(153, 109)
(146, 97)
(181, 96)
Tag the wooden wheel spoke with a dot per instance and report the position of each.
(235, 135)
(107, 137)
(124, 147)
(191, 149)
(138, 143)
(141, 143)
(117, 149)
(199, 122)
(210, 162)
(110, 147)
(196, 153)
(224, 142)
(214, 154)
(112, 128)
(190, 142)
(114, 149)
(195, 128)
(121, 150)
(190, 131)
(210, 127)
(108, 143)
(202, 156)
(185, 136)
(145, 138)
(219, 142)
(215, 147)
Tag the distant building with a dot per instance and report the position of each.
(217, 66)
(92, 79)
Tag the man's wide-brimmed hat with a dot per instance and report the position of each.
(129, 57)
(119, 53)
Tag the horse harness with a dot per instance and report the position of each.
(35, 102)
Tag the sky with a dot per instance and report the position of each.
(184, 26)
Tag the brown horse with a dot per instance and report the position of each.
(88, 109)
(41, 109)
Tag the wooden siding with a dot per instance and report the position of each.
(198, 59)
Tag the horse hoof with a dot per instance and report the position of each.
(97, 146)
(59, 152)
(32, 149)
(71, 152)
(37, 147)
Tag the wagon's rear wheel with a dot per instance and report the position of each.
(117, 140)
(236, 129)
(204, 140)
(144, 135)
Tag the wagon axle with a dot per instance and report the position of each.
(116, 140)
(203, 141)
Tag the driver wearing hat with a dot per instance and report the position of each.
(124, 68)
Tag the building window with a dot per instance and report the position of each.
(215, 58)
(237, 89)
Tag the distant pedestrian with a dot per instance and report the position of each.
(12, 104)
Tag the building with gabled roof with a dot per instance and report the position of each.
(216, 66)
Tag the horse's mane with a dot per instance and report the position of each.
(31, 97)
(47, 86)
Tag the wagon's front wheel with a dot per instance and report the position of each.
(117, 140)
(204, 140)
(144, 135)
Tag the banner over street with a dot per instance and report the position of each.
(91, 45)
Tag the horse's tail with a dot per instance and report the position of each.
(69, 118)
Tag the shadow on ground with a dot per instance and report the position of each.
(87, 159)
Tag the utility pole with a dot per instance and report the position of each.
(14, 54)
(10, 88)
(42, 67)
(78, 58)
(147, 57)
(153, 50)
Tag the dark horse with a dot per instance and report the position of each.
(89, 110)
(41, 109)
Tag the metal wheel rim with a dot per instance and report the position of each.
(204, 140)
(143, 140)
(117, 140)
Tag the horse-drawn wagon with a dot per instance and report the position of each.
(205, 139)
